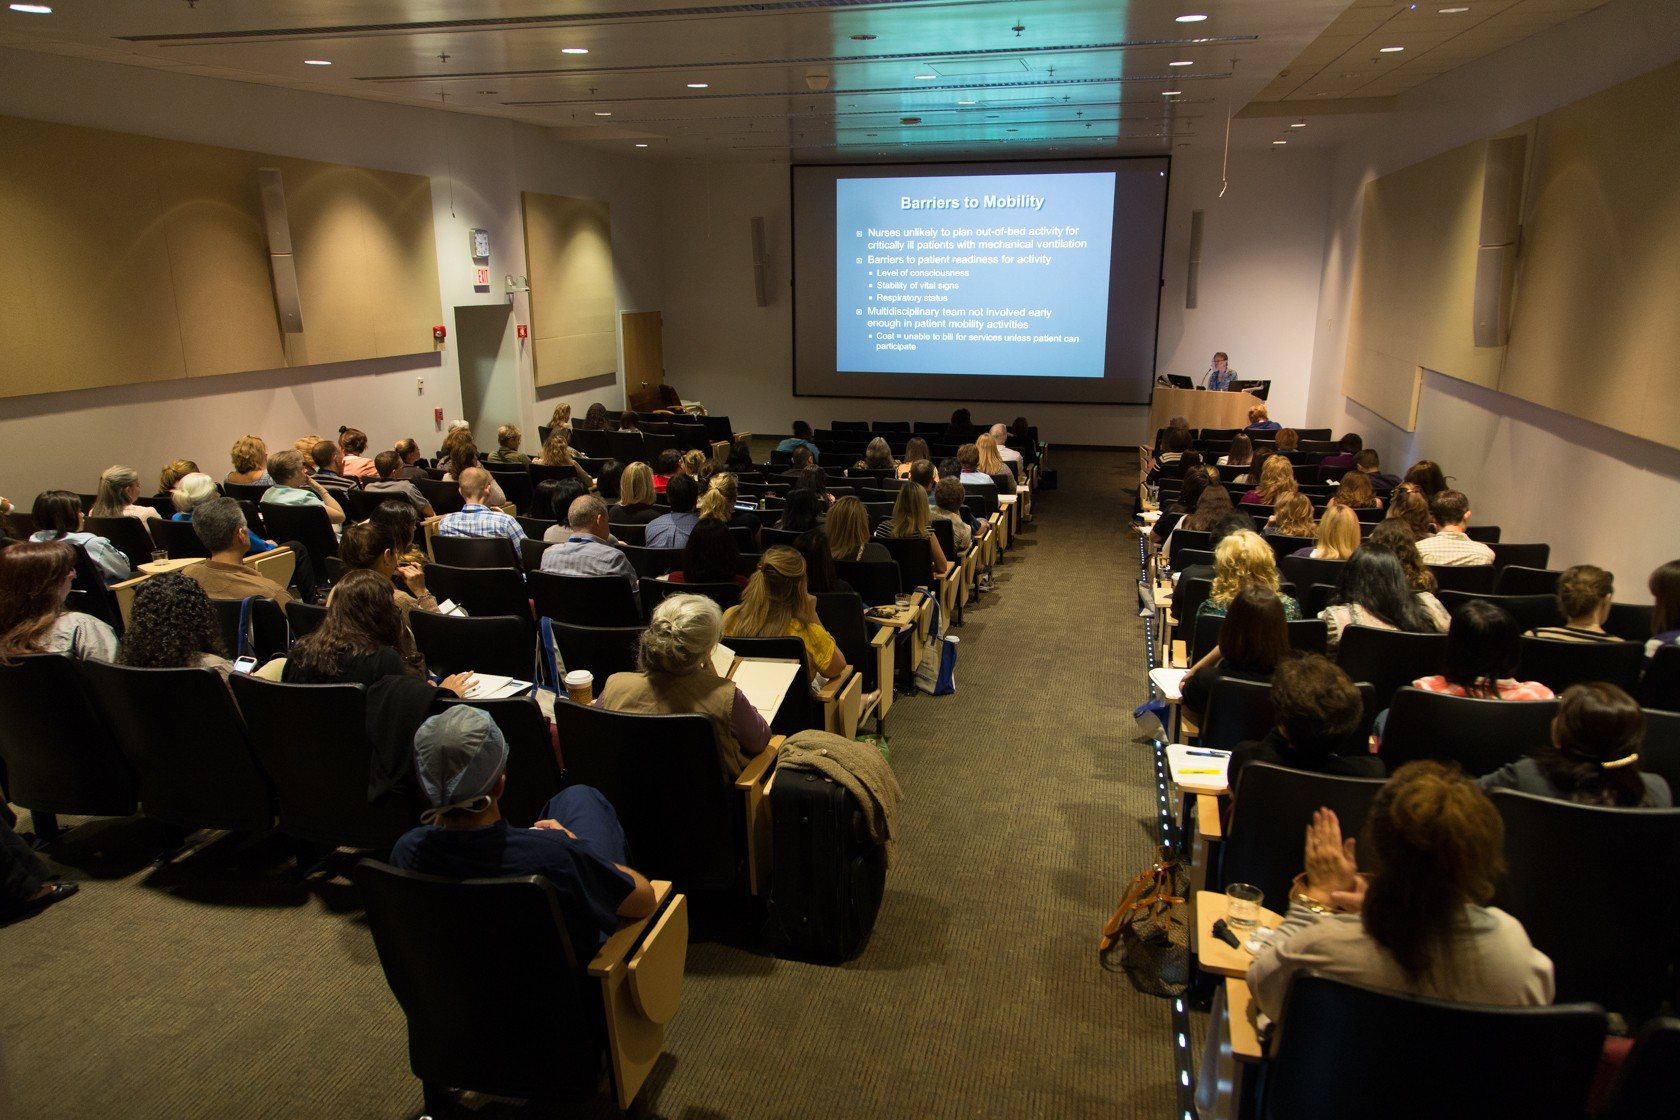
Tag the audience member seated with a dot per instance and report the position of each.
(35, 580)
(1011, 458)
(171, 475)
(1260, 421)
(561, 417)
(1243, 559)
(628, 421)
(709, 556)
(915, 448)
(665, 466)
(719, 503)
(172, 626)
(961, 428)
(1288, 439)
(476, 518)
(250, 462)
(1426, 475)
(909, 520)
(740, 457)
(1338, 535)
(1664, 586)
(550, 501)
(463, 457)
(595, 418)
(362, 639)
(1235, 522)
(848, 533)
(1408, 506)
(1293, 517)
(119, 490)
(635, 505)
(27, 885)
(1355, 493)
(460, 758)
(400, 520)
(803, 511)
(1319, 710)
(1213, 505)
(1449, 546)
(386, 465)
(220, 525)
(327, 459)
(1021, 438)
(671, 530)
(587, 551)
(800, 459)
(58, 517)
(947, 506)
(508, 439)
(1253, 642)
(675, 677)
(696, 464)
(557, 452)
(1239, 456)
(815, 479)
(1372, 591)
(777, 604)
(991, 464)
(1277, 479)
(812, 546)
(353, 442)
(293, 487)
(1594, 755)
(1396, 538)
(1418, 923)
(1369, 464)
(878, 456)
(1173, 447)
(801, 438)
(409, 451)
(1483, 649)
(1584, 595)
(1348, 449)
(373, 546)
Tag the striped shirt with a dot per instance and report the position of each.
(475, 520)
(584, 554)
(1571, 634)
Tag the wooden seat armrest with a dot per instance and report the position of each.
(131, 583)
(1180, 654)
(754, 771)
(1208, 824)
(754, 787)
(886, 654)
(831, 691)
(843, 716)
(617, 948)
(1245, 1040)
(640, 970)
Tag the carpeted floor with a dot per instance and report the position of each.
(213, 988)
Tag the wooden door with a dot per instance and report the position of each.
(644, 358)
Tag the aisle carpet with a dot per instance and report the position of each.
(214, 988)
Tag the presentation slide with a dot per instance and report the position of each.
(1030, 281)
(993, 277)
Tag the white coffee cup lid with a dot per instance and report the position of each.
(579, 677)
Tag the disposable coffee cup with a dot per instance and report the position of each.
(580, 686)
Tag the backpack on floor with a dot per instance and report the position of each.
(1151, 928)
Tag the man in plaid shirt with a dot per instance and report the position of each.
(476, 519)
(1451, 547)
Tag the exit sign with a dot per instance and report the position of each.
(481, 276)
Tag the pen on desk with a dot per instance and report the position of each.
(1209, 754)
(1200, 771)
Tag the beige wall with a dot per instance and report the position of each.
(477, 167)
(1261, 260)
(1598, 495)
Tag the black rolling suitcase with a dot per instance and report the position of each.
(828, 875)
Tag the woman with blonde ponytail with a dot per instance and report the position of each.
(718, 503)
(675, 677)
(776, 604)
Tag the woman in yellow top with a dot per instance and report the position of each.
(776, 604)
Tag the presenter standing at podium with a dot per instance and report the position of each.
(1220, 376)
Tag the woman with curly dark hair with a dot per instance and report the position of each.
(173, 626)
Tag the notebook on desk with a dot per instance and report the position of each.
(1197, 769)
(488, 686)
(763, 681)
(1169, 682)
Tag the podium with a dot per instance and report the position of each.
(1202, 408)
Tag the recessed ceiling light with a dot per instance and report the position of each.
(1299, 124)
(863, 37)
(699, 85)
(487, 92)
(1190, 19)
(1451, 11)
(1390, 50)
(574, 50)
(1280, 141)
(32, 9)
(927, 77)
(602, 113)
(966, 103)
(317, 62)
(1183, 62)
(1171, 92)
(641, 145)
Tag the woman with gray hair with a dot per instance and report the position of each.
(193, 491)
(675, 677)
(119, 495)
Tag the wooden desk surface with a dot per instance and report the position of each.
(1213, 954)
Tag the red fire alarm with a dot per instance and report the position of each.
(439, 333)
(522, 331)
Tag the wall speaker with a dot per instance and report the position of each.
(1193, 274)
(1501, 230)
(760, 263)
(280, 263)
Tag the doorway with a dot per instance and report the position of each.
(487, 352)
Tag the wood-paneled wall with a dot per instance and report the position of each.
(568, 250)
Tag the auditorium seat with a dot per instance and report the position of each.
(1479, 735)
(501, 645)
(1389, 659)
(1557, 665)
(57, 748)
